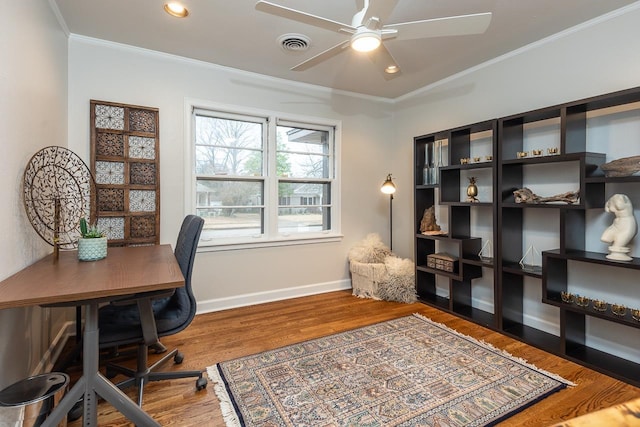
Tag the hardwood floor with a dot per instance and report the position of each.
(224, 335)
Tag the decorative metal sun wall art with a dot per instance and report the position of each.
(58, 189)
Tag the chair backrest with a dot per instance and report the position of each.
(182, 305)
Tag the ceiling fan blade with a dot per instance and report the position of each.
(315, 60)
(476, 23)
(380, 9)
(306, 18)
(383, 60)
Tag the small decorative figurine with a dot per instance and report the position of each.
(472, 191)
(525, 195)
(531, 261)
(486, 252)
(623, 229)
(625, 166)
(429, 224)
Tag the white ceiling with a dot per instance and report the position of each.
(233, 34)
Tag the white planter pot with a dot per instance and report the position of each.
(92, 249)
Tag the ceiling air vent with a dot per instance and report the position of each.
(294, 42)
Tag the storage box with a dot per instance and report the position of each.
(443, 261)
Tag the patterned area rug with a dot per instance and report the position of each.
(403, 372)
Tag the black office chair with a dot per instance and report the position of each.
(120, 322)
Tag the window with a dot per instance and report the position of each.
(259, 179)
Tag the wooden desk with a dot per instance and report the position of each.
(125, 271)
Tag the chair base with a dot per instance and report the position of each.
(143, 374)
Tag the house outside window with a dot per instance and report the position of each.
(261, 180)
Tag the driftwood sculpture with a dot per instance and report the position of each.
(625, 166)
(428, 224)
(524, 195)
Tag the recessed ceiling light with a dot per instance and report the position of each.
(176, 9)
(392, 69)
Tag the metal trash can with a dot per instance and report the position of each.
(29, 402)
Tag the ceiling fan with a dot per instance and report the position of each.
(367, 31)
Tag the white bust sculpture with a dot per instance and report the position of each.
(623, 229)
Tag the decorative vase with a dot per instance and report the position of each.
(438, 161)
(92, 249)
(426, 175)
(426, 170)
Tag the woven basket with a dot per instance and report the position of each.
(366, 278)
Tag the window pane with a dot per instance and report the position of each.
(215, 193)
(303, 207)
(303, 153)
(231, 222)
(303, 194)
(230, 208)
(304, 166)
(303, 220)
(228, 147)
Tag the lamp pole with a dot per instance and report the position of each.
(388, 187)
(391, 221)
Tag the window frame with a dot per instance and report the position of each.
(271, 202)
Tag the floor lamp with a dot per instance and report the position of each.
(388, 187)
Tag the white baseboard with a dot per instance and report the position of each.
(482, 305)
(50, 356)
(269, 296)
(68, 329)
(545, 325)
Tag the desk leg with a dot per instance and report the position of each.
(90, 364)
(92, 381)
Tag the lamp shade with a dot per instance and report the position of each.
(388, 187)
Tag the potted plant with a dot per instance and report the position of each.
(92, 246)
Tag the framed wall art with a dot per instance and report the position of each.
(126, 165)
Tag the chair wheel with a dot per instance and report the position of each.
(178, 358)
(201, 383)
(76, 411)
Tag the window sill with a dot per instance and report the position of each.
(212, 246)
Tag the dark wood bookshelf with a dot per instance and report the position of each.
(606, 363)
(460, 284)
(508, 169)
(534, 336)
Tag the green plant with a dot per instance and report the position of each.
(89, 231)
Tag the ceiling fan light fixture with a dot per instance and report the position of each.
(176, 9)
(365, 40)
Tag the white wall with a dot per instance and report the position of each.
(33, 114)
(108, 72)
(591, 60)
(596, 58)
